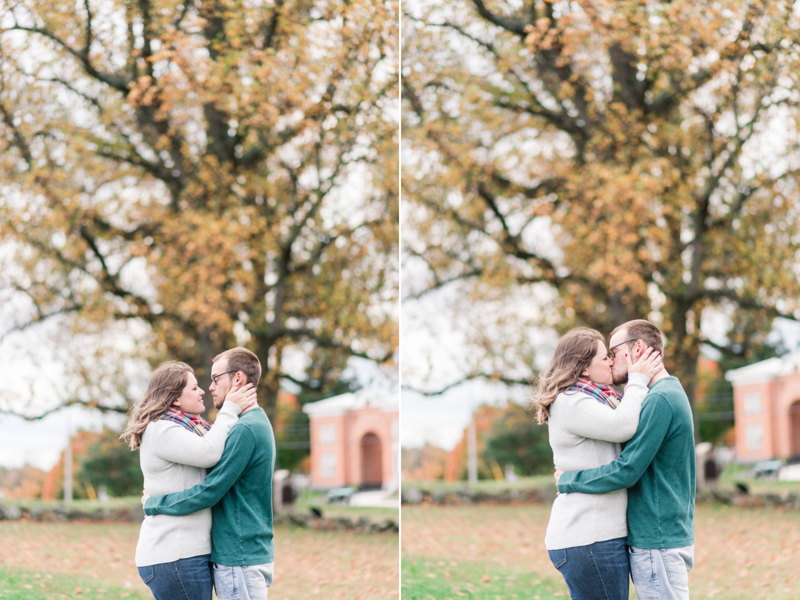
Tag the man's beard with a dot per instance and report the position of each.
(619, 379)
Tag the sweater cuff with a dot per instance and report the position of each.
(230, 407)
(638, 378)
(564, 482)
(150, 506)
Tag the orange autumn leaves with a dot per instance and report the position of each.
(639, 159)
(202, 169)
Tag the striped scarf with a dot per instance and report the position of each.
(601, 393)
(191, 422)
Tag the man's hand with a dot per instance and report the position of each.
(145, 496)
(557, 474)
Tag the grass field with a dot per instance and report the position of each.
(730, 475)
(497, 553)
(58, 561)
(490, 486)
(307, 499)
(77, 505)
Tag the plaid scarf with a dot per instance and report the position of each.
(601, 393)
(191, 422)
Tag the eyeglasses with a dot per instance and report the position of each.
(612, 354)
(215, 377)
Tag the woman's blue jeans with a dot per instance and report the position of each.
(598, 571)
(184, 579)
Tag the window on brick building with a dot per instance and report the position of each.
(327, 435)
(752, 403)
(755, 436)
(328, 465)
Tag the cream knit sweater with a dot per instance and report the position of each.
(174, 459)
(585, 434)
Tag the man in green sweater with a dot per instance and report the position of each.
(238, 489)
(658, 468)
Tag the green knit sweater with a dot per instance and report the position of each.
(658, 467)
(239, 488)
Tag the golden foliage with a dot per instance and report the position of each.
(224, 171)
(640, 158)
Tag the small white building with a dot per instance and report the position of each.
(355, 440)
(766, 401)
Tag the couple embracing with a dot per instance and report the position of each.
(619, 511)
(205, 528)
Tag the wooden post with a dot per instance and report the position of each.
(68, 471)
(472, 451)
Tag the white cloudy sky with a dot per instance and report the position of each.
(32, 373)
(33, 378)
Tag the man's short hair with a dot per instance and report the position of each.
(645, 331)
(241, 359)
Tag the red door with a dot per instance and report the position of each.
(794, 419)
(371, 463)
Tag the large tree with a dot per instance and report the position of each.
(638, 159)
(219, 172)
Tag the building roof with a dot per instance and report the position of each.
(766, 370)
(366, 398)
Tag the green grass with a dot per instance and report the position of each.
(494, 552)
(733, 474)
(40, 561)
(424, 579)
(307, 499)
(79, 505)
(39, 585)
(482, 552)
(730, 475)
(763, 486)
(484, 485)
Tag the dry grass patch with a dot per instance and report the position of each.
(310, 564)
(741, 554)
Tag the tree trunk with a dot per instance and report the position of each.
(683, 353)
(208, 350)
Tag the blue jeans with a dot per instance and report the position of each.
(184, 579)
(250, 582)
(598, 571)
(661, 574)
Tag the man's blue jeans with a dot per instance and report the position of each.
(598, 571)
(661, 574)
(184, 579)
(250, 582)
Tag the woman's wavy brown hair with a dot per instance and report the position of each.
(574, 352)
(165, 386)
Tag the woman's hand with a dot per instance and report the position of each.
(557, 475)
(244, 397)
(649, 363)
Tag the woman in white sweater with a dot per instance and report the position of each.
(176, 447)
(587, 421)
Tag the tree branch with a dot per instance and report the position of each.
(118, 83)
(516, 27)
(491, 377)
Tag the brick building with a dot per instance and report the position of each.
(355, 440)
(766, 398)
